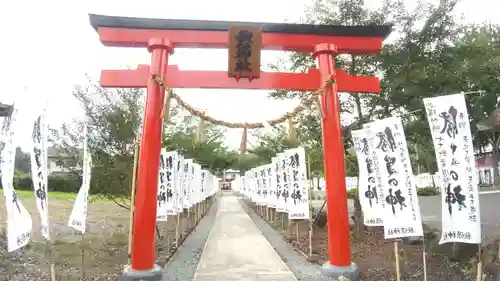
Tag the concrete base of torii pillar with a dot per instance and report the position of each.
(155, 274)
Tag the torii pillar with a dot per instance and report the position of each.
(160, 35)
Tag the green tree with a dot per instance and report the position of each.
(23, 162)
(114, 118)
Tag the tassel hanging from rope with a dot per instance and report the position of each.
(165, 112)
(200, 132)
(319, 108)
(292, 132)
(244, 139)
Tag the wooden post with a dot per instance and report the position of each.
(311, 188)
(396, 255)
(297, 229)
(132, 198)
(177, 230)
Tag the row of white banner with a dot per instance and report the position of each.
(282, 184)
(182, 183)
(19, 222)
(387, 188)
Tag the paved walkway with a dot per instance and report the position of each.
(237, 250)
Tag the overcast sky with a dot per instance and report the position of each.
(48, 46)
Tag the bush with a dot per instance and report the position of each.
(427, 191)
(60, 184)
(64, 184)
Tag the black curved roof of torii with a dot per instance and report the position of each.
(5, 110)
(207, 25)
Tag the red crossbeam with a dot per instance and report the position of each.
(219, 80)
(123, 37)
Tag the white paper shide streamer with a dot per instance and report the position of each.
(401, 212)
(39, 170)
(298, 204)
(19, 223)
(371, 203)
(451, 134)
(78, 216)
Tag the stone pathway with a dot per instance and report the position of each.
(237, 250)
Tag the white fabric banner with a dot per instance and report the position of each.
(281, 184)
(262, 185)
(165, 198)
(272, 198)
(322, 184)
(269, 185)
(451, 134)
(179, 183)
(371, 203)
(195, 183)
(39, 173)
(19, 223)
(205, 184)
(401, 212)
(314, 184)
(254, 191)
(78, 215)
(298, 204)
(161, 192)
(186, 183)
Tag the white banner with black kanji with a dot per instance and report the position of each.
(179, 180)
(78, 217)
(368, 183)
(451, 134)
(401, 212)
(39, 173)
(298, 201)
(19, 223)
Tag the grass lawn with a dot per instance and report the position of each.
(101, 253)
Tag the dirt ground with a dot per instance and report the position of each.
(99, 255)
(376, 259)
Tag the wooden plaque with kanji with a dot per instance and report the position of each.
(244, 52)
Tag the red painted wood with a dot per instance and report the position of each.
(123, 37)
(143, 246)
(339, 247)
(219, 80)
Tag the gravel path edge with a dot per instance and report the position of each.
(183, 264)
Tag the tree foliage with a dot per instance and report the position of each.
(427, 55)
(114, 119)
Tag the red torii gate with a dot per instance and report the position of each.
(160, 35)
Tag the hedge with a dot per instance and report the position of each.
(60, 184)
(425, 191)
